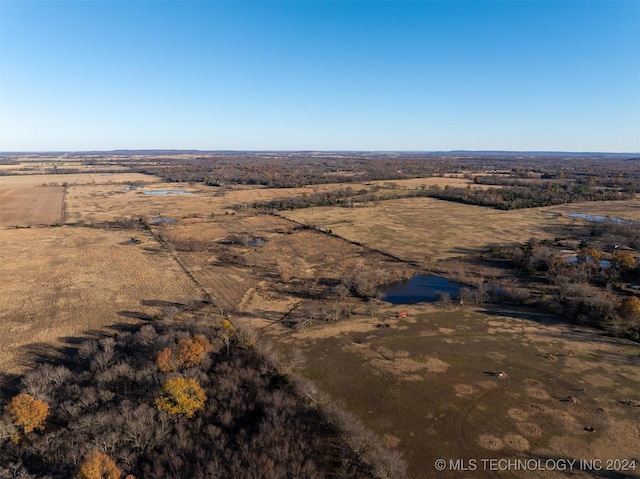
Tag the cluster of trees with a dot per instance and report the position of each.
(341, 196)
(582, 290)
(295, 169)
(178, 400)
(613, 234)
(530, 196)
(514, 194)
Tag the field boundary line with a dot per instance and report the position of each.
(415, 264)
(203, 290)
(62, 208)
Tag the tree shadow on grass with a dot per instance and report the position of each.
(33, 354)
(136, 315)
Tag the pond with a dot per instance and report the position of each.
(603, 263)
(597, 218)
(257, 241)
(167, 192)
(419, 288)
(162, 220)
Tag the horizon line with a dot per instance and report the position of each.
(191, 150)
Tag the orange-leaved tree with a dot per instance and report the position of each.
(164, 360)
(181, 396)
(629, 308)
(97, 465)
(192, 350)
(623, 260)
(27, 412)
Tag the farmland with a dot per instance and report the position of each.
(94, 250)
(62, 282)
(26, 206)
(437, 394)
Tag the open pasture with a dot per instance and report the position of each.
(453, 181)
(28, 206)
(88, 178)
(414, 228)
(428, 385)
(286, 258)
(627, 210)
(111, 202)
(61, 282)
(106, 202)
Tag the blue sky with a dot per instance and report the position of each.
(293, 75)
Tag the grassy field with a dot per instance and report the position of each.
(417, 227)
(427, 385)
(628, 210)
(88, 178)
(62, 282)
(306, 255)
(27, 206)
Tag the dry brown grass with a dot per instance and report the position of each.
(310, 255)
(61, 282)
(437, 395)
(109, 202)
(76, 179)
(27, 206)
(442, 181)
(628, 210)
(421, 381)
(416, 227)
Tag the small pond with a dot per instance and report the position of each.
(257, 241)
(597, 218)
(162, 220)
(167, 192)
(419, 288)
(603, 263)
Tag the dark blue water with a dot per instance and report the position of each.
(419, 288)
(162, 220)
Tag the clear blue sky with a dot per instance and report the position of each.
(386, 75)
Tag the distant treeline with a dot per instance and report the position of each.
(530, 196)
(286, 170)
(506, 198)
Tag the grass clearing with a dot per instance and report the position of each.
(61, 282)
(88, 178)
(428, 384)
(424, 382)
(415, 228)
(29, 206)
